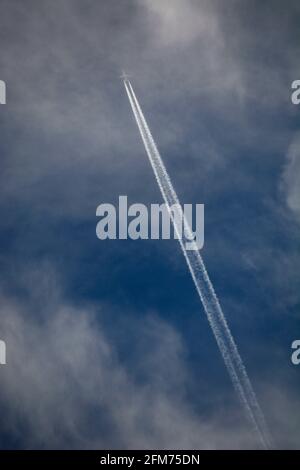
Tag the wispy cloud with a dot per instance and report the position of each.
(67, 385)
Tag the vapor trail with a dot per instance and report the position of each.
(202, 282)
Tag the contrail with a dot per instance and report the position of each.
(202, 281)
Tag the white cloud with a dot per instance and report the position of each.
(66, 384)
(181, 21)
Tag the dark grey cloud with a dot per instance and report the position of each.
(62, 61)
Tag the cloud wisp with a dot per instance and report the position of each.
(66, 386)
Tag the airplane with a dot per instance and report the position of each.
(124, 76)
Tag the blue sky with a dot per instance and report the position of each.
(103, 348)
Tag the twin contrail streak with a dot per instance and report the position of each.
(202, 282)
